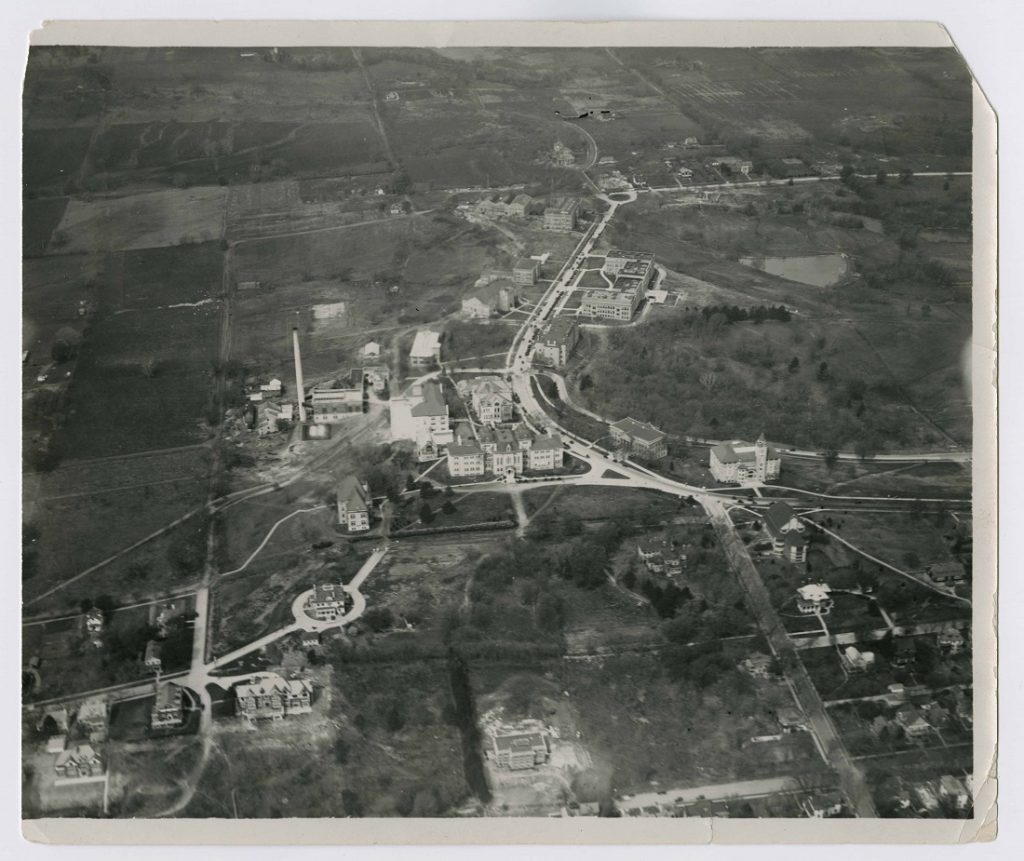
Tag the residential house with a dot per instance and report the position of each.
(327, 602)
(937, 715)
(338, 399)
(639, 438)
(354, 504)
(953, 791)
(856, 661)
(556, 342)
(912, 722)
(169, 706)
(814, 598)
(525, 271)
(560, 214)
(273, 387)
(951, 641)
(950, 571)
(545, 453)
(267, 695)
(94, 626)
(739, 462)
(791, 720)
(426, 348)
(370, 351)
(904, 653)
(612, 304)
(151, 660)
(271, 416)
(92, 717)
(426, 449)
(79, 761)
(786, 532)
(822, 805)
(377, 377)
(733, 164)
(311, 640)
(517, 751)
(465, 458)
(691, 143)
(758, 666)
(56, 743)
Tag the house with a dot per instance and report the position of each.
(168, 708)
(465, 458)
(79, 761)
(912, 722)
(758, 666)
(951, 641)
(733, 164)
(649, 548)
(545, 453)
(370, 350)
(151, 659)
(338, 399)
(856, 661)
(354, 504)
(904, 653)
(271, 416)
(691, 143)
(953, 791)
(491, 296)
(426, 348)
(426, 449)
(950, 571)
(814, 598)
(639, 438)
(739, 462)
(629, 266)
(327, 602)
(938, 716)
(273, 387)
(557, 341)
(881, 725)
(926, 798)
(786, 532)
(612, 304)
(267, 695)
(310, 640)
(560, 214)
(525, 271)
(94, 622)
(92, 716)
(56, 743)
(516, 751)
(396, 209)
(822, 805)
(791, 720)
(377, 377)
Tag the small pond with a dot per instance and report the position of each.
(818, 270)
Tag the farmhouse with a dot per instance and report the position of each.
(733, 164)
(168, 709)
(560, 214)
(557, 341)
(639, 438)
(80, 761)
(739, 462)
(786, 532)
(612, 304)
(273, 387)
(516, 751)
(327, 602)
(338, 399)
(354, 504)
(814, 598)
(267, 695)
(525, 271)
(426, 348)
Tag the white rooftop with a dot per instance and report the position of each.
(426, 344)
(814, 592)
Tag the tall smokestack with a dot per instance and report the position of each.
(300, 388)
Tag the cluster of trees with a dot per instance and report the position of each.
(758, 314)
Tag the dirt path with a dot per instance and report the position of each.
(376, 109)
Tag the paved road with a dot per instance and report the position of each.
(713, 792)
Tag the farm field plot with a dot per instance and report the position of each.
(148, 220)
(164, 277)
(52, 157)
(39, 218)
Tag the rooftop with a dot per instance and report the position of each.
(426, 344)
(816, 592)
(433, 401)
(778, 515)
(353, 494)
(639, 430)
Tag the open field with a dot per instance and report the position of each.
(150, 220)
(39, 218)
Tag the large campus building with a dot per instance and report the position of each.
(560, 214)
(426, 348)
(555, 344)
(504, 450)
(354, 504)
(338, 399)
(639, 438)
(611, 304)
(739, 462)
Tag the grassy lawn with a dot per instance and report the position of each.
(597, 504)
(467, 509)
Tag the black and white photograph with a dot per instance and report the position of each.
(501, 432)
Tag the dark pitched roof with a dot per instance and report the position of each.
(352, 493)
(433, 402)
(777, 516)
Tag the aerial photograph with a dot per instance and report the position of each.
(497, 432)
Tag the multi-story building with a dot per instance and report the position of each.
(466, 458)
(491, 399)
(267, 695)
(814, 598)
(426, 348)
(629, 266)
(502, 450)
(517, 751)
(525, 271)
(560, 214)
(519, 205)
(270, 416)
(557, 341)
(327, 602)
(613, 303)
(545, 453)
(739, 462)
(168, 708)
(786, 532)
(338, 399)
(639, 438)
(354, 504)
(421, 414)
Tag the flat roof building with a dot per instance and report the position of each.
(426, 348)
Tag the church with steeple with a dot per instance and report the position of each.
(739, 462)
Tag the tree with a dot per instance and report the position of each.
(61, 352)
(880, 177)
(378, 618)
(906, 174)
(426, 513)
(794, 365)
(823, 371)
(629, 578)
